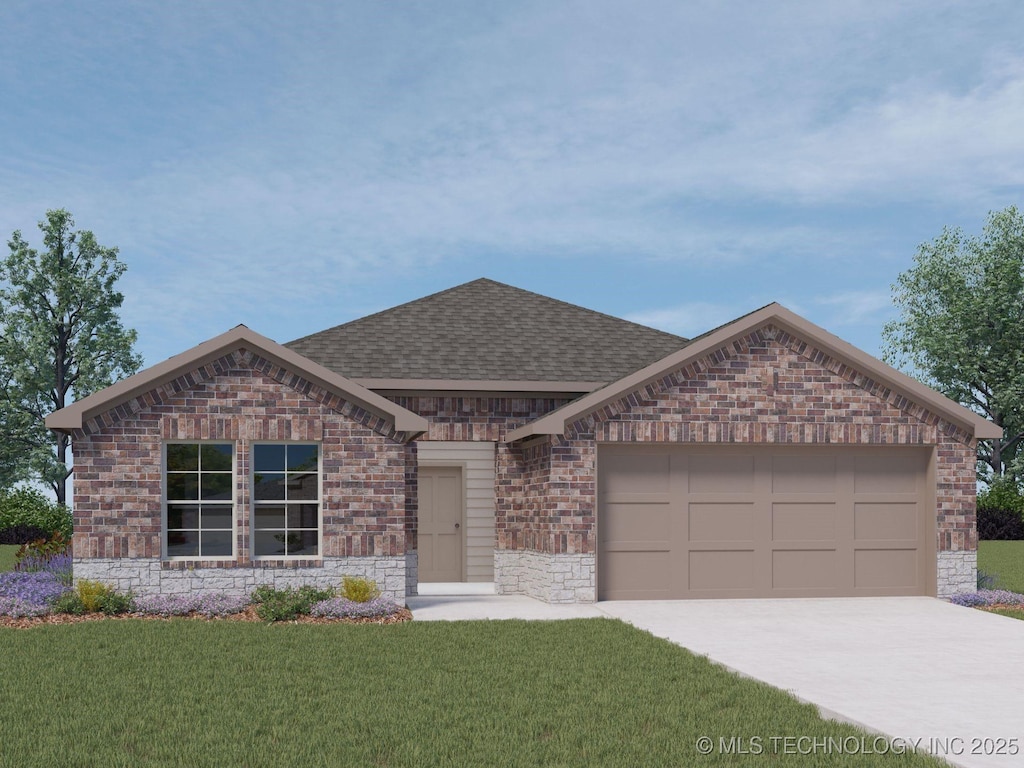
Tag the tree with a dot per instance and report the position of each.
(60, 340)
(961, 329)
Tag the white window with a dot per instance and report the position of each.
(285, 500)
(199, 499)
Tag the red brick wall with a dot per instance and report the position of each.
(767, 387)
(239, 398)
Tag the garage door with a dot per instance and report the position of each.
(721, 521)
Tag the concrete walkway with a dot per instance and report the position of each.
(911, 668)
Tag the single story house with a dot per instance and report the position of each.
(490, 434)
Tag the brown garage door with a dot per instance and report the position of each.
(722, 521)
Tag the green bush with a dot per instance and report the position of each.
(1002, 493)
(359, 589)
(289, 603)
(69, 602)
(97, 597)
(27, 506)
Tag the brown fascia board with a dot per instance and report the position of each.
(486, 387)
(555, 422)
(75, 415)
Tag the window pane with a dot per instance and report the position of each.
(268, 487)
(182, 458)
(182, 543)
(302, 515)
(216, 517)
(303, 487)
(216, 487)
(181, 516)
(268, 543)
(269, 517)
(182, 487)
(268, 458)
(302, 543)
(216, 543)
(302, 457)
(216, 457)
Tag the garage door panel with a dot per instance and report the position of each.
(717, 569)
(714, 473)
(721, 522)
(889, 473)
(805, 569)
(638, 575)
(886, 568)
(638, 522)
(815, 473)
(880, 521)
(803, 522)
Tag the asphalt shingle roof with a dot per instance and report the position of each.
(485, 330)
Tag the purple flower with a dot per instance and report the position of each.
(38, 588)
(987, 597)
(58, 565)
(13, 606)
(205, 603)
(341, 608)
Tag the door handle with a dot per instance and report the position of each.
(457, 526)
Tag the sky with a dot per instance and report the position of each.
(295, 166)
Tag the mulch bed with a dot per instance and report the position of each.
(249, 614)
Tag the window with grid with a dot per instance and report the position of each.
(286, 500)
(199, 480)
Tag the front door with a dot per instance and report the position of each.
(440, 524)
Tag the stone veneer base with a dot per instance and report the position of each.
(957, 572)
(562, 578)
(412, 578)
(145, 576)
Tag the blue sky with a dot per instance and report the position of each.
(295, 166)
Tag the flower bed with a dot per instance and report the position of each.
(986, 598)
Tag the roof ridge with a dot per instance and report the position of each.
(485, 281)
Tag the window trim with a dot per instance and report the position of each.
(319, 501)
(233, 505)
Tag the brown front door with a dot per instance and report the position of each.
(440, 524)
(764, 521)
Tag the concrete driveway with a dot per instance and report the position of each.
(907, 667)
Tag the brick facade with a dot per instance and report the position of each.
(239, 398)
(765, 388)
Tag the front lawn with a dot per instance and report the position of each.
(215, 693)
(1005, 561)
(7, 556)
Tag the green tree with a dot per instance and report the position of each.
(60, 340)
(961, 329)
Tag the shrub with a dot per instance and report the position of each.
(359, 589)
(27, 506)
(113, 602)
(22, 534)
(289, 603)
(69, 602)
(343, 608)
(95, 595)
(56, 544)
(1002, 493)
(1000, 525)
(986, 580)
(58, 565)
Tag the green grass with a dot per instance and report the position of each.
(1005, 560)
(1013, 613)
(587, 692)
(7, 556)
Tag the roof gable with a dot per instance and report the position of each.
(75, 415)
(556, 422)
(488, 331)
